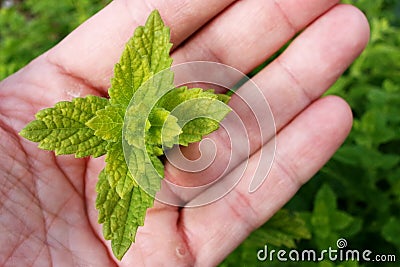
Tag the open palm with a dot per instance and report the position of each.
(47, 214)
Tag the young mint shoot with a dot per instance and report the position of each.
(94, 126)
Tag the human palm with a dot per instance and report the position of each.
(47, 202)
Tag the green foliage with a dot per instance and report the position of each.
(30, 27)
(285, 228)
(327, 223)
(356, 196)
(366, 170)
(391, 231)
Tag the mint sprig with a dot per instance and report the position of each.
(144, 112)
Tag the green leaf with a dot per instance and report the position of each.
(325, 200)
(328, 223)
(195, 129)
(341, 220)
(283, 229)
(146, 54)
(107, 123)
(106, 201)
(391, 231)
(117, 171)
(224, 98)
(177, 96)
(120, 216)
(199, 117)
(62, 128)
(128, 215)
(164, 129)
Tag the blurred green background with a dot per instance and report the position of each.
(356, 196)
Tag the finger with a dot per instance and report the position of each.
(310, 65)
(90, 52)
(313, 62)
(249, 32)
(303, 148)
(299, 76)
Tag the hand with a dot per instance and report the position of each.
(47, 202)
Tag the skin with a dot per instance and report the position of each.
(47, 203)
